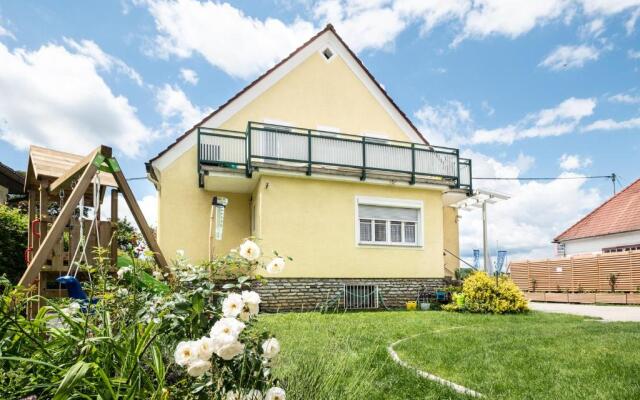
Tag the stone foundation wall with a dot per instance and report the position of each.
(308, 294)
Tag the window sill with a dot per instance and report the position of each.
(390, 245)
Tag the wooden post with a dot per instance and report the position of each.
(58, 226)
(44, 209)
(147, 233)
(114, 227)
(32, 216)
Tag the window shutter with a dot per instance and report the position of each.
(394, 213)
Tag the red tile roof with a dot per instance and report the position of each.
(621, 213)
(329, 27)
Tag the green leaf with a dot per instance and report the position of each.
(74, 375)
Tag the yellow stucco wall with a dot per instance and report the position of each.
(315, 223)
(184, 210)
(451, 238)
(311, 220)
(320, 93)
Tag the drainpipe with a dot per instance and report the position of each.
(485, 240)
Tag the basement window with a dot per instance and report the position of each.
(327, 53)
(361, 297)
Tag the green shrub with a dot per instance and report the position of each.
(482, 294)
(13, 242)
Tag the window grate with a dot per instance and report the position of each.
(361, 297)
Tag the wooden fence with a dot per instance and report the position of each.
(578, 274)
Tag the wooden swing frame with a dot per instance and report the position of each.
(99, 159)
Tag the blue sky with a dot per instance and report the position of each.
(526, 88)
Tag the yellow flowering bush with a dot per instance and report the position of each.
(483, 295)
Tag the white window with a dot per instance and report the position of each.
(388, 222)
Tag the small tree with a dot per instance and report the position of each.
(613, 278)
(13, 242)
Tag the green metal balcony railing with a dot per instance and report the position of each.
(275, 144)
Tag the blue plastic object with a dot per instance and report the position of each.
(476, 258)
(502, 255)
(73, 287)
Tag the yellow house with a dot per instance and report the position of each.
(319, 163)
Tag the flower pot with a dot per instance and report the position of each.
(611, 298)
(425, 306)
(556, 297)
(411, 305)
(583, 298)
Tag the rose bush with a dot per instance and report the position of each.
(185, 337)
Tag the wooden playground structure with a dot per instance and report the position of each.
(59, 242)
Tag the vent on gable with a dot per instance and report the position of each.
(327, 53)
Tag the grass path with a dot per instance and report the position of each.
(535, 356)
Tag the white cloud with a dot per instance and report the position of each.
(178, 113)
(595, 28)
(570, 162)
(6, 32)
(189, 76)
(509, 18)
(630, 25)
(525, 224)
(240, 45)
(624, 98)
(612, 125)
(148, 204)
(486, 107)
(633, 54)
(243, 46)
(556, 121)
(567, 57)
(103, 60)
(63, 103)
(444, 125)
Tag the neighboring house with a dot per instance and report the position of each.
(613, 226)
(11, 184)
(320, 164)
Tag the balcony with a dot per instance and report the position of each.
(308, 151)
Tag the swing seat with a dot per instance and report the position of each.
(74, 289)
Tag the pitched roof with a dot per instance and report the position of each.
(328, 28)
(44, 162)
(11, 179)
(621, 213)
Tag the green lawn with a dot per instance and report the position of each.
(534, 356)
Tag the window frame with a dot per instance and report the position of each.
(388, 202)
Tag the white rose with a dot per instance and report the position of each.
(228, 350)
(270, 348)
(226, 329)
(251, 301)
(158, 275)
(232, 305)
(186, 353)
(198, 367)
(276, 265)
(275, 393)
(205, 346)
(250, 250)
(245, 315)
(122, 271)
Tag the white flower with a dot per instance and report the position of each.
(158, 275)
(232, 305)
(180, 253)
(245, 315)
(270, 348)
(250, 250)
(275, 393)
(226, 330)
(252, 303)
(276, 265)
(186, 353)
(122, 292)
(122, 271)
(205, 346)
(228, 350)
(198, 367)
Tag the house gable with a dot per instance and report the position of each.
(309, 89)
